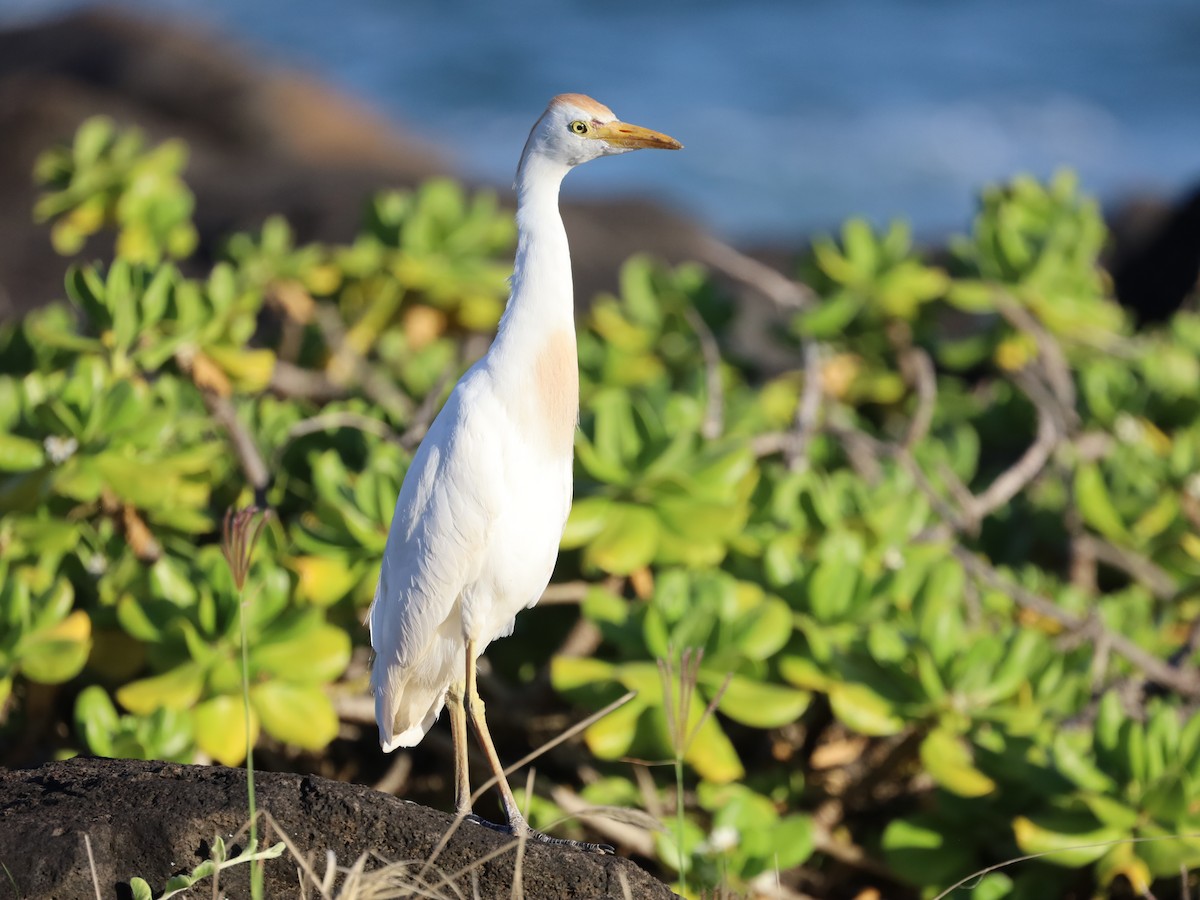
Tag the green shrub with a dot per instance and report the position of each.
(943, 573)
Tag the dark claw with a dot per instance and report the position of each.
(532, 835)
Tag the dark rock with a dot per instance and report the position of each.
(1155, 260)
(155, 819)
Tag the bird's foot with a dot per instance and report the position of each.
(520, 827)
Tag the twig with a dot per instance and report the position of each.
(779, 289)
(377, 387)
(1013, 480)
(917, 368)
(1158, 580)
(329, 420)
(1184, 683)
(1058, 372)
(808, 410)
(624, 834)
(714, 413)
(564, 593)
(396, 777)
(877, 448)
(249, 457)
(425, 413)
(298, 383)
(87, 843)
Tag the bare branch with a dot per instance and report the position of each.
(1050, 355)
(1184, 683)
(338, 419)
(714, 412)
(1013, 480)
(1143, 570)
(299, 383)
(809, 409)
(565, 593)
(249, 457)
(879, 449)
(776, 287)
(377, 387)
(425, 413)
(624, 834)
(917, 368)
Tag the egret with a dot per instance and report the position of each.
(482, 508)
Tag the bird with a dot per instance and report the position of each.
(480, 513)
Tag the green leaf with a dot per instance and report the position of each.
(1067, 839)
(315, 657)
(220, 727)
(140, 889)
(861, 709)
(831, 589)
(759, 704)
(179, 688)
(921, 852)
(793, 839)
(59, 653)
(19, 454)
(612, 736)
(764, 631)
(627, 542)
(711, 753)
(1076, 764)
(323, 580)
(587, 519)
(947, 759)
(299, 714)
(1091, 493)
(572, 674)
(96, 718)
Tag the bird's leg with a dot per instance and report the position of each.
(458, 732)
(516, 821)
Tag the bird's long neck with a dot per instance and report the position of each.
(534, 352)
(542, 295)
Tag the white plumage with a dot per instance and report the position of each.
(482, 508)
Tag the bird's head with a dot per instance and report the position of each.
(575, 128)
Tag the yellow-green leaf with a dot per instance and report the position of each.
(220, 728)
(19, 454)
(1068, 840)
(759, 704)
(58, 653)
(627, 542)
(1091, 493)
(948, 760)
(296, 714)
(179, 688)
(323, 579)
(863, 710)
(612, 736)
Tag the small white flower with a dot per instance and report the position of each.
(60, 449)
(96, 564)
(1128, 429)
(723, 838)
(893, 559)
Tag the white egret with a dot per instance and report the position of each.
(482, 508)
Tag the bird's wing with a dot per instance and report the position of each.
(439, 532)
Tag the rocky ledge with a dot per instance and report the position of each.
(154, 820)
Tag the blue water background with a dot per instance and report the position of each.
(794, 114)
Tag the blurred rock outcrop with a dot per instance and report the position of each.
(1155, 257)
(266, 139)
(263, 140)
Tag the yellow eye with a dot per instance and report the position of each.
(579, 127)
